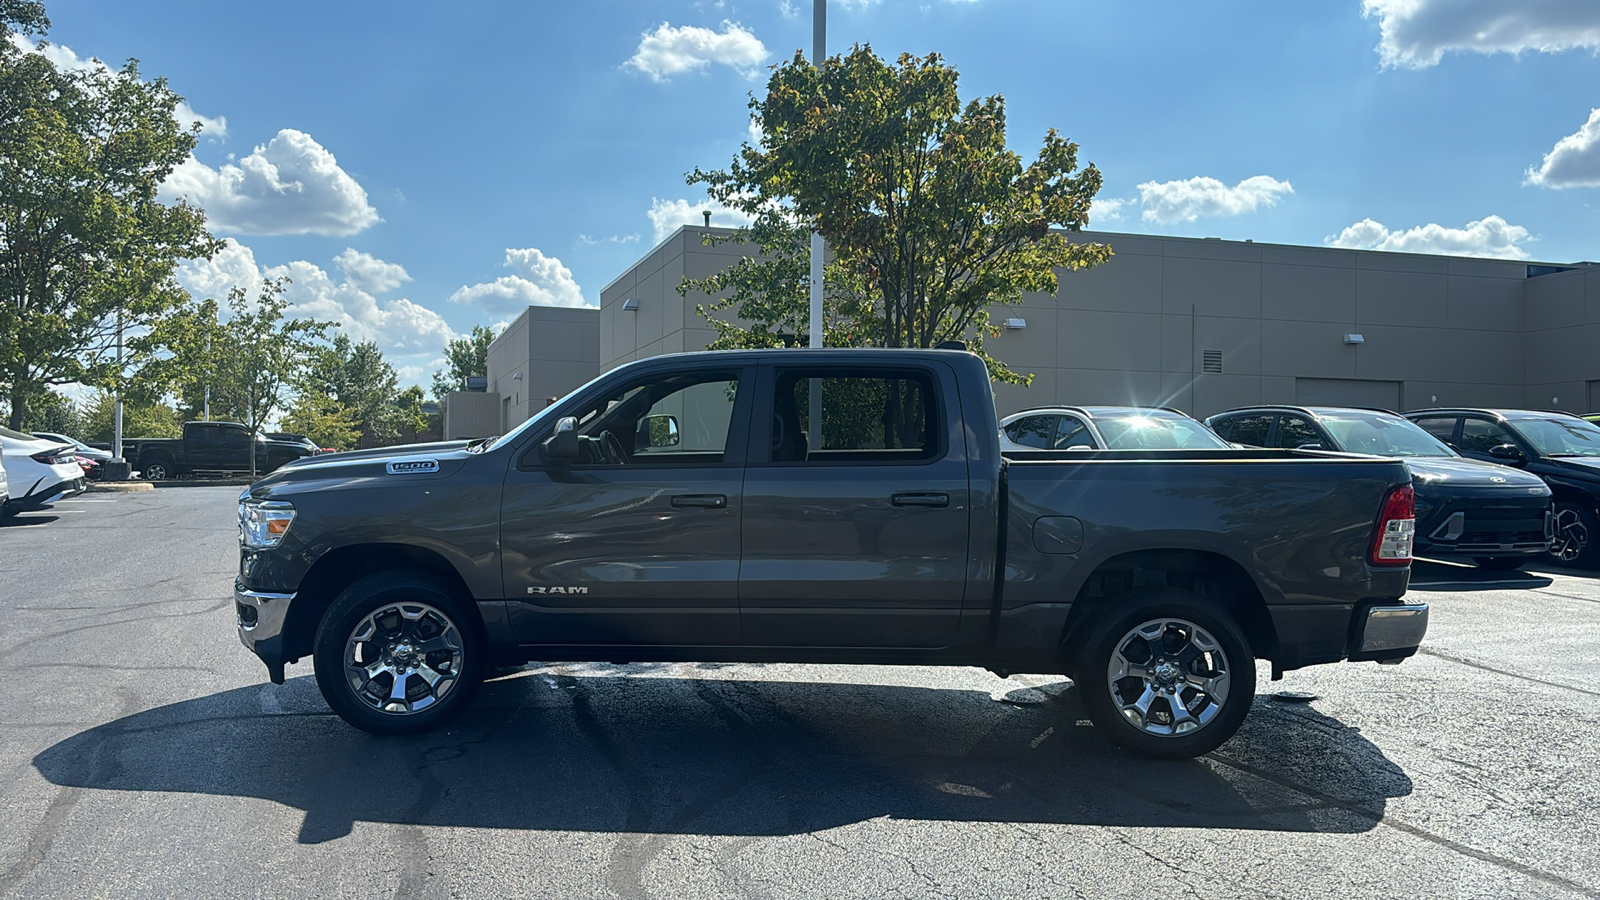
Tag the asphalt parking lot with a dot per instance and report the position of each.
(143, 754)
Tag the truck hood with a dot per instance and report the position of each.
(1442, 473)
(409, 463)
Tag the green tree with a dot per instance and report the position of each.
(358, 377)
(464, 357)
(930, 218)
(84, 241)
(139, 419)
(262, 355)
(324, 420)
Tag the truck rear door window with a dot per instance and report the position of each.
(868, 416)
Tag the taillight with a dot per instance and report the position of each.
(55, 457)
(1397, 526)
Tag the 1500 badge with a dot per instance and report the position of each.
(414, 467)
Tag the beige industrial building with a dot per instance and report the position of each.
(1201, 324)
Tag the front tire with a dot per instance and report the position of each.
(399, 653)
(1170, 676)
(157, 470)
(1576, 533)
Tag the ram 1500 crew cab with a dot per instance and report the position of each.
(839, 506)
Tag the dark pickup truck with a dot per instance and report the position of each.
(208, 447)
(697, 507)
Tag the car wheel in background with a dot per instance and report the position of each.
(157, 470)
(1169, 676)
(1576, 532)
(399, 653)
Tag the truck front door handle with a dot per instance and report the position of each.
(931, 499)
(700, 501)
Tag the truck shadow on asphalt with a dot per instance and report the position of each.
(603, 748)
(1447, 577)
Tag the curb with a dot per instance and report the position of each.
(118, 487)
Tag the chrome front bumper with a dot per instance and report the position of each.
(260, 616)
(1388, 632)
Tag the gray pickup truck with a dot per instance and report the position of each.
(830, 506)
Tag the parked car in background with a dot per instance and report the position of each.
(1498, 517)
(1560, 448)
(291, 438)
(209, 447)
(89, 458)
(38, 472)
(1104, 428)
(5, 484)
(84, 450)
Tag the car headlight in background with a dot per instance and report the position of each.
(263, 523)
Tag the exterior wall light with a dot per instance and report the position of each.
(631, 304)
(1354, 339)
(1016, 323)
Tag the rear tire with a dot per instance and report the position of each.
(1169, 676)
(1501, 563)
(399, 653)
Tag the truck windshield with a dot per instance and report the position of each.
(1167, 432)
(1381, 435)
(1560, 436)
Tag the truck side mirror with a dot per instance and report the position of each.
(1509, 452)
(656, 431)
(1314, 445)
(562, 444)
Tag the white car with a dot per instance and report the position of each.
(38, 472)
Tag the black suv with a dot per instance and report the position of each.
(1497, 516)
(1561, 448)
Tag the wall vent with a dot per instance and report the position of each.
(1211, 362)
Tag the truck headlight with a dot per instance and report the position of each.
(263, 523)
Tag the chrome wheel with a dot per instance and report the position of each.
(156, 472)
(1572, 535)
(1168, 677)
(403, 658)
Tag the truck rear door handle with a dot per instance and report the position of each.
(934, 500)
(700, 501)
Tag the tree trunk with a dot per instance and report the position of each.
(19, 406)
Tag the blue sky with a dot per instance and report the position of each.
(416, 174)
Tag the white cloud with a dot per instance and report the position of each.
(539, 281)
(1107, 210)
(1575, 159)
(1490, 236)
(669, 50)
(370, 273)
(588, 241)
(1184, 201)
(667, 215)
(290, 185)
(408, 333)
(1417, 33)
(65, 58)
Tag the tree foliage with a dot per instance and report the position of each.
(929, 217)
(464, 357)
(83, 237)
(262, 355)
(355, 376)
(326, 421)
(139, 419)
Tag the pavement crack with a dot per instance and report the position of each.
(1462, 660)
